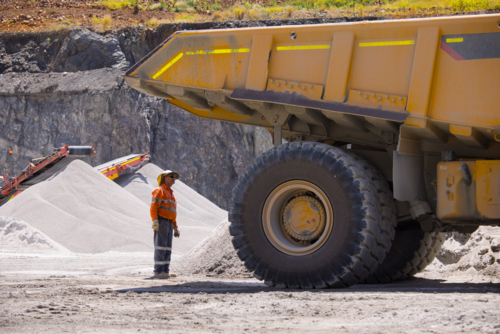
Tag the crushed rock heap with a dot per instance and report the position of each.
(85, 212)
(16, 235)
(476, 256)
(213, 257)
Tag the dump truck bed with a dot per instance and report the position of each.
(352, 82)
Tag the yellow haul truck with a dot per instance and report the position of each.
(393, 131)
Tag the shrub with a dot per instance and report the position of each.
(152, 23)
(253, 13)
(117, 4)
(180, 6)
(239, 12)
(217, 16)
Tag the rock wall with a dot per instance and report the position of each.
(65, 87)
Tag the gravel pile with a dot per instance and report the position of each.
(85, 212)
(213, 257)
(16, 235)
(476, 256)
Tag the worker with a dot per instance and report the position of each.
(164, 213)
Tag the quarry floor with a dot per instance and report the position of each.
(111, 293)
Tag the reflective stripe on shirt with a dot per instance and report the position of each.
(169, 209)
(163, 201)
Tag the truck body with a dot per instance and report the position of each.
(415, 103)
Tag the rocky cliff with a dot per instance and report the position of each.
(65, 87)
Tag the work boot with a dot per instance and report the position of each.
(157, 275)
(162, 276)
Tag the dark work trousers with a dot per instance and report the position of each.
(163, 245)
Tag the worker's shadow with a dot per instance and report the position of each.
(414, 285)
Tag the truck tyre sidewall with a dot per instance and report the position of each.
(342, 260)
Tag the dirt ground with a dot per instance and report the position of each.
(111, 293)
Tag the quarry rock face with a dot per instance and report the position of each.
(84, 51)
(66, 88)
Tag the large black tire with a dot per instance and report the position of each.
(412, 250)
(351, 246)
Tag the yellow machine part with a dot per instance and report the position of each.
(474, 200)
(421, 68)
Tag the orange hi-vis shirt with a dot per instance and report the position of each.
(164, 204)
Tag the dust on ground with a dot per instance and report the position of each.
(110, 293)
(49, 291)
(48, 285)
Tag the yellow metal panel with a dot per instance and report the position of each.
(456, 197)
(300, 65)
(462, 92)
(463, 130)
(167, 66)
(466, 91)
(216, 113)
(384, 69)
(377, 100)
(423, 70)
(219, 66)
(488, 188)
(339, 66)
(419, 122)
(259, 62)
(311, 91)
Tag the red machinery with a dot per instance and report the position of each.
(124, 165)
(41, 169)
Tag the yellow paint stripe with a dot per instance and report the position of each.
(387, 43)
(170, 63)
(302, 47)
(129, 161)
(122, 164)
(454, 40)
(218, 51)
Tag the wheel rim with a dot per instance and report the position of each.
(297, 218)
